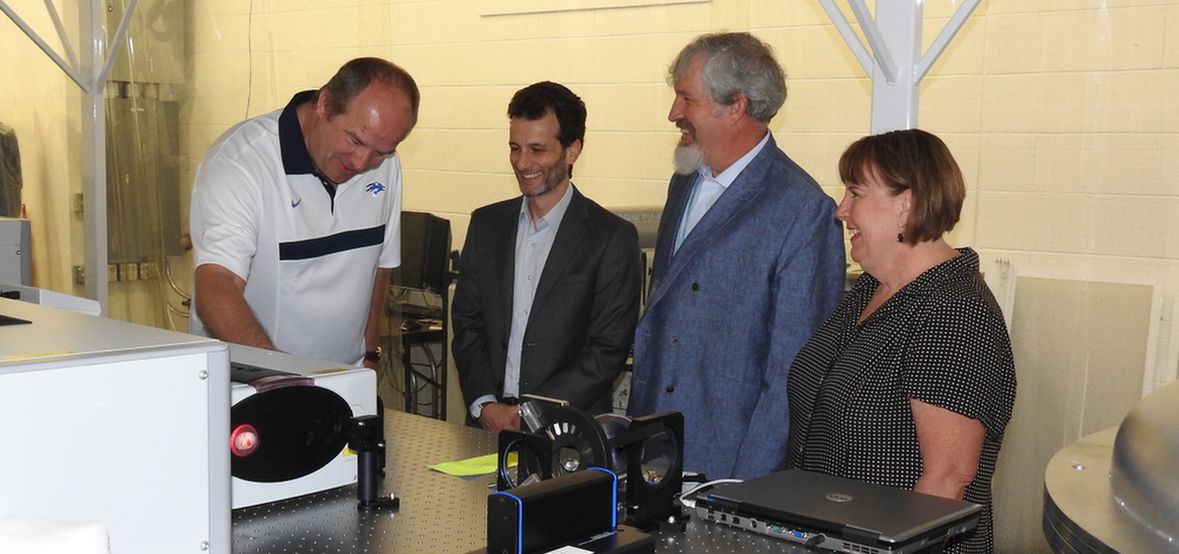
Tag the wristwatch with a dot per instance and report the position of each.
(373, 355)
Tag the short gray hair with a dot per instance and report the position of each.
(738, 63)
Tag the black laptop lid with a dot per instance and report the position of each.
(840, 506)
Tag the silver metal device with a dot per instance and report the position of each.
(15, 259)
(112, 422)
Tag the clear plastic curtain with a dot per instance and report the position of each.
(144, 182)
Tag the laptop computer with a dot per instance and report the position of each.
(839, 514)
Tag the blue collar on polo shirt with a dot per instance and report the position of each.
(295, 158)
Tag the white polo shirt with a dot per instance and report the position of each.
(308, 259)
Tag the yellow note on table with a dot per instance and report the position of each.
(479, 465)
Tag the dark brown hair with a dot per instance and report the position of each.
(534, 101)
(916, 161)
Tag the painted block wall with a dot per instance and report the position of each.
(1059, 112)
(1063, 114)
(41, 104)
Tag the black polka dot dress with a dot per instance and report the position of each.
(940, 340)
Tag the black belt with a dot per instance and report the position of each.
(510, 400)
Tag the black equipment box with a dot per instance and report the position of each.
(578, 508)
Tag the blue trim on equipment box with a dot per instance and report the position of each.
(519, 520)
(613, 495)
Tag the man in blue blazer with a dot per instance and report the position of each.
(548, 291)
(749, 261)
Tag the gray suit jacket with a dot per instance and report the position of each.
(582, 319)
(726, 313)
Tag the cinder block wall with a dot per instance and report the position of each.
(1064, 115)
(41, 105)
(1060, 112)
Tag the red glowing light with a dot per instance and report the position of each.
(243, 441)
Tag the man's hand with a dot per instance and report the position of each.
(497, 417)
(222, 307)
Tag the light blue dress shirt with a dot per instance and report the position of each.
(708, 189)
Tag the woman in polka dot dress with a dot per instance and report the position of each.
(911, 381)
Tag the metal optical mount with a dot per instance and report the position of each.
(367, 438)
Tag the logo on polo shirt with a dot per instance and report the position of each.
(375, 188)
(295, 203)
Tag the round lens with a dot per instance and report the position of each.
(243, 441)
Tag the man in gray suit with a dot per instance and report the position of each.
(548, 290)
(749, 261)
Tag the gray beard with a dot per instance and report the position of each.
(688, 159)
(549, 184)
